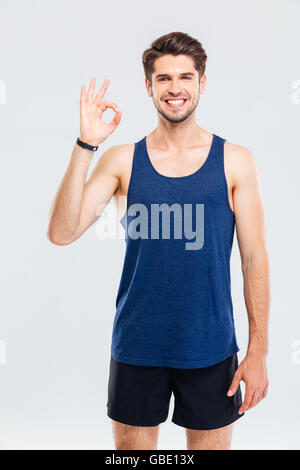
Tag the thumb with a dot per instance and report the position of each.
(235, 383)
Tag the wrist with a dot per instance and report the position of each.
(86, 145)
(258, 342)
(90, 141)
(257, 349)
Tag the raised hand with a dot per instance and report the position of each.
(93, 129)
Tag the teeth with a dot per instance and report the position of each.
(175, 101)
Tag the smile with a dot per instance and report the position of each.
(175, 103)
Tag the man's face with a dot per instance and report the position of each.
(175, 79)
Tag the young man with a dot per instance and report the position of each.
(187, 190)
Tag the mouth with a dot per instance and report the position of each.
(175, 104)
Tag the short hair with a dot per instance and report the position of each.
(174, 43)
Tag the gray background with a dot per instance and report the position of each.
(57, 303)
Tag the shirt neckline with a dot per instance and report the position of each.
(184, 176)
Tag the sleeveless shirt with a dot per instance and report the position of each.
(174, 305)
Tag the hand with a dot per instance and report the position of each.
(253, 372)
(93, 129)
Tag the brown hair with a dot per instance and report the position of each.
(174, 43)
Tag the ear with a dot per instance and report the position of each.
(148, 87)
(202, 84)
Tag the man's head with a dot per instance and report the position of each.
(174, 66)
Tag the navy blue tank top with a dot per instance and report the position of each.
(174, 305)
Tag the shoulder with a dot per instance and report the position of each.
(116, 159)
(118, 152)
(239, 162)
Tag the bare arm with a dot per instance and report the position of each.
(250, 229)
(79, 203)
(75, 206)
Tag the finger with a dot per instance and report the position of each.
(265, 392)
(91, 89)
(106, 105)
(260, 397)
(255, 399)
(247, 400)
(82, 94)
(101, 92)
(234, 386)
(116, 121)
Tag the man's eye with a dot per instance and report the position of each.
(166, 78)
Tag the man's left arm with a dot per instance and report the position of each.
(250, 231)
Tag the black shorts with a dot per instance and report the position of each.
(140, 395)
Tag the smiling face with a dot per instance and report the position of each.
(175, 87)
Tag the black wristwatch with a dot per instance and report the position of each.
(84, 145)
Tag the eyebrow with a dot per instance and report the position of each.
(167, 74)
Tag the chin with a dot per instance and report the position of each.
(171, 118)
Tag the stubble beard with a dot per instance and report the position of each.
(178, 119)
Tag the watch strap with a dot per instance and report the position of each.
(86, 146)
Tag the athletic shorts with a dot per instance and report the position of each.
(140, 395)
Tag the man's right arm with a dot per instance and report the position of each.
(78, 204)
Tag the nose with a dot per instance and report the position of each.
(174, 88)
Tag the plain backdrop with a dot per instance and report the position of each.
(58, 302)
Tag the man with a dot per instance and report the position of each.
(174, 329)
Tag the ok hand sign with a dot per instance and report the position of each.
(93, 129)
